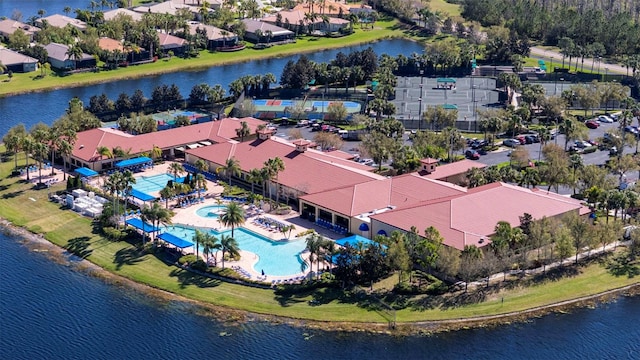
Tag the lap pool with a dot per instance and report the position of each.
(274, 257)
(211, 211)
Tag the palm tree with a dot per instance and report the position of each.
(228, 245)
(273, 167)
(231, 167)
(13, 141)
(125, 186)
(75, 53)
(197, 240)
(201, 165)
(232, 215)
(156, 152)
(176, 169)
(209, 243)
(65, 148)
(200, 183)
(167, 193)
(243, 131)
(255, 176)
(104, 152)
(112, 185)
(157, 215)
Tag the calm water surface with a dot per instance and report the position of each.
(52, 311)
(30, 8)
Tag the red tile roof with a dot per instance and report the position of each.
(215, 131)
(400, 191)
(455, 168)
(309, 172)
(469, 218)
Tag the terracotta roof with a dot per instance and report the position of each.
(330, 8)
(429, 161)
(400, 191)
(294, 16)
(109, 44)
(309, 172)
(213, 33)
(458, 167)
(215, 131)
(301, 142)
(471, 218)
(168, 41)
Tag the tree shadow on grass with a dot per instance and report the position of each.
(13, 194)
(187, 278)
(127, 256)
(79, 246)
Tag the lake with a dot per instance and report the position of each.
(30, 8)
(52, 311)
(32, 108)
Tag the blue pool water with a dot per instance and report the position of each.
(275, 258)
(149, 184)
(210, 211)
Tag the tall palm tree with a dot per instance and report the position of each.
(243, 131)
(197, 240)
(13, 141)
(200, 183)
(273, 167)
(231, 167)
(167, 193)
(104, 152)
(232, 215)
(228, 245)
(125, 186)
(74, 52)
(27, 146)
(112, 184)
(157, 215)
(255, 176)
(156, 152)
(209, 244)
(313, 246)
(201, 165)
(176, 169)
(65, 148)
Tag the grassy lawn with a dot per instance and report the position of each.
(445, 7)
(384, 29)
(31, 209)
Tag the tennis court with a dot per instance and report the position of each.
(168, 118)
(315, 109)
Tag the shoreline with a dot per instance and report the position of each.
(196, 67)
(38, 243)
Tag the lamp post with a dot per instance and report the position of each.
(420, 98)
(606, 74)
(599, 61)
(561, 85)
(551, 66)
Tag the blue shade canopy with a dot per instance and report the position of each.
(446, 80)
(142, 195)
(133, 162)
(141, 225)
(175, 241)
(86, 172)
(382, 232)
(363, 227)
(353, 240)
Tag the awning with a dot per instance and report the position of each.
(363, 227)
(141, 225)
(86, 172)
(205, 143)
(142, 195)
(194, 146)
(175, 241)
(180, 148)
(382, 232)
(353, 240)
(133, 162)
(446, 80)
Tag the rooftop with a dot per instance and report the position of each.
(8, 27)
(61, 21)
(112, 14)
(10, 57)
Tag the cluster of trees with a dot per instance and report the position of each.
(613, 26)
(45, 143)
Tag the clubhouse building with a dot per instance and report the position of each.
(332, 190)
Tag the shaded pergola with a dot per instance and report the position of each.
(142, 196)
(175, 241)
(142, 226)
(445, 83)
(86, 172)
(134, 163)
(354, 240)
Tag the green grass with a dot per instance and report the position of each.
(441, 5)
(67, 229)
(20, 83)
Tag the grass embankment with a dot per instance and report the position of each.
(28, 82)
(446, 8)
(31, 209)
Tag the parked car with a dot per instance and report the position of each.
(511, 143)
(592, 124)
(613, 151)
(472, 154)
(631, 129)
(605, 119)
(477, 144)
(522, 139)
(608, 137)
(582, 144)
(532, 139)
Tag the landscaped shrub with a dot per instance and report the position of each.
(198, 265)
(187, 259)
(590, 149)
(113, 234)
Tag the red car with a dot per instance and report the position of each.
(592, 124)
(522, 139)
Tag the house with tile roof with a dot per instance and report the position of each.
(296, 20)
(169, 42)
(8, 27)
(58, 57)
(60, 21)
(112, 14)
(166, 7)
(17, 62)
(216, 37)
(173, 142)
(278, 34)
(306, 170)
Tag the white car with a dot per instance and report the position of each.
(605, 119)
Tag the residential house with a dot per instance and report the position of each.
(255, 27)
(8, 27)
(16, 62)
(59, 58)
(61, 21)
(167, 7)
(112, 14)
(295, 20)
(172, 43)
(216, 37)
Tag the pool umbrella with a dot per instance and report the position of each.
(382, 232)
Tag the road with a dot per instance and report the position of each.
(589, 63)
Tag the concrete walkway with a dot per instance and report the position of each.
(588, 62)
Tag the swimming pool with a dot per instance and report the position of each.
(153, 183)
(210, 211)
(275, 258)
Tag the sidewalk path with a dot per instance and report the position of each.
(588, 62)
